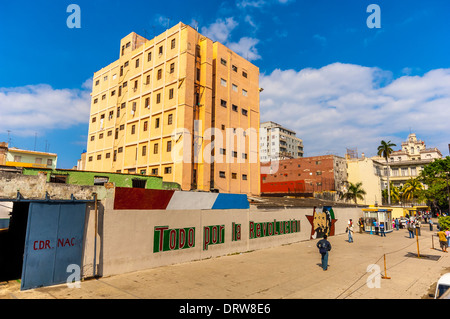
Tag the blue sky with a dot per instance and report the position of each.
(325, 74)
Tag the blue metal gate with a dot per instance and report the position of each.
(54, 240)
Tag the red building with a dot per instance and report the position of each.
(304, 175)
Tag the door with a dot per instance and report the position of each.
(54, 240)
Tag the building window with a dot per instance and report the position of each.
(157, 122)
(145, 126)
(244, 74)
(107, 155)
(154, 171)
(155, 148)
(122, 127)
(97, 82)
(244, 112)
(223, 61)
(138, 183)
(137, 63)
(92, 138)
(223, 82)
(172, 44)
(169, 119)
(234, 154)
(90, 159)
(158, 98)
(234, 87)
(117, 134)
(159, 74)
(115, 155)
(234, 107)
(149, 57)
(223, 103)
(222, 174)
(104, 97)
(169, 146)
(38, 160)
(223, 151)
(168, 170)
(147, 102)
(100, 136)
(244, 92)
(319, 173)
(244, 156)
(170, 94)
(144, 150)
(234, 68)
(172, 68)
(244, 177)
(99, 157)
(120, 150)
(94, 119)
(133, 129)
(160, 50)
(234, 175)
(49, 162)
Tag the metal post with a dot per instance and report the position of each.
(385, 277)
(95, 235)
(417, 238)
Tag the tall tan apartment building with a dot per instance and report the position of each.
(180, 106)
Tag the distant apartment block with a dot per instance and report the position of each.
(179, 106)
(278, 143)
(304, 175)
(25, 158)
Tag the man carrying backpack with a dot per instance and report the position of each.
(324, 247)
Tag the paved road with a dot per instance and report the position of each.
(287, 272)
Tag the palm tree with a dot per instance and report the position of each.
(385, 150)
(354, 192)
(394, 191)
(412, 189)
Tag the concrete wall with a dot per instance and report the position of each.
(127, 238)
(35, 187)
(87, 178)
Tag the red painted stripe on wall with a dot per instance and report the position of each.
(140, 198)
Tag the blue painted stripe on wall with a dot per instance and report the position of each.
(231, 201)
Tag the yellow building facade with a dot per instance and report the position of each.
(179, 106)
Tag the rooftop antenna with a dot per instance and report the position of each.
(9, 138)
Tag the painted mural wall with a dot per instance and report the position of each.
(186, 226)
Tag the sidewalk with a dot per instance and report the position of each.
(290, 271)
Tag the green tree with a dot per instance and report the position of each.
(354, 192)
(385, 150)
(436, 176)
(444, 222)
(412, 189)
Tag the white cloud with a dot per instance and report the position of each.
(246, 47)
(220, 30)
(343, 106)
(37, 108)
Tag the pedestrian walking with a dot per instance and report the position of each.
(382, 233)
(411, 229)
(361, 225)
(447, 234)
(349, 230)
(431, 225)
(396, 223)
(324, 247)
(418, 225)
(375, 224)
(443, 240)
